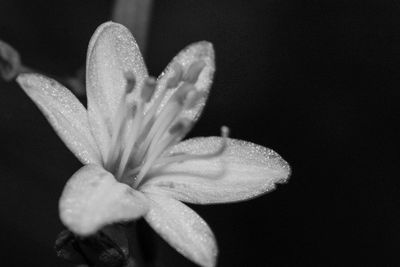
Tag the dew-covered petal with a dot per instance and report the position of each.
(183, 229)
(112, 53)
(93, 198)
(64, 112)
(201, 51)
(244, 170)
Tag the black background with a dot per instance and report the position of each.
(317, 81)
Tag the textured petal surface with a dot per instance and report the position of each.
(194, 52)
(183, 229)
(64, 112)
(111, 54)
(244, 170)
(92, 198)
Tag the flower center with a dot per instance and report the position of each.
(140, 137)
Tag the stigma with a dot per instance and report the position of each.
(140, 136)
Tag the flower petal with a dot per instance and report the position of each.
(111, 54)
(92, 198)
(183, 229)
(198, 51)
(64, 112)
(244, 170)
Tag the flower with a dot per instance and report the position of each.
(129, 140)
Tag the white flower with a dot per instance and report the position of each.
(129, 139)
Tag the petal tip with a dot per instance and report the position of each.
(183, 229)
(100, 30)
(206, 45)
(282, 166)
(79, 225)
(78, 228)
(23, 78)
(204, 49)
(211, 260)
(31, 81)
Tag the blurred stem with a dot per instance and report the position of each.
(135, 15)
(135, 258)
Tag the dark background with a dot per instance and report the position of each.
(317, 81)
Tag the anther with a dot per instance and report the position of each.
(224, 135)
(182, 92)
(130, 81)
(134, 109)
(148, 89)
(193, 98)
(193, 72)
(177, 77)
(224, 132)
(179, 127)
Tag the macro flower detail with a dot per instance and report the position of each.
(130, 141)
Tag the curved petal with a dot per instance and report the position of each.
(111, 54)
(92, 198)
(64, 112)
(183, 229)
(244, 170)
(198, 51)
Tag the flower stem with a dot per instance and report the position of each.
(117, 245)
(135, 15)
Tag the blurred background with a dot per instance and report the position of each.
(317, 81)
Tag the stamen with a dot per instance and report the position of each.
(185, 157)
(147, 92)
(148, 89)
(179, 127)
(167, 116)
(165, 119)
(132, 138)
(178, 130)
(119, 127)
(154, 155)
(177, 77)
(157, 102)
(163, 128)
(193, 72)
(118, 122)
